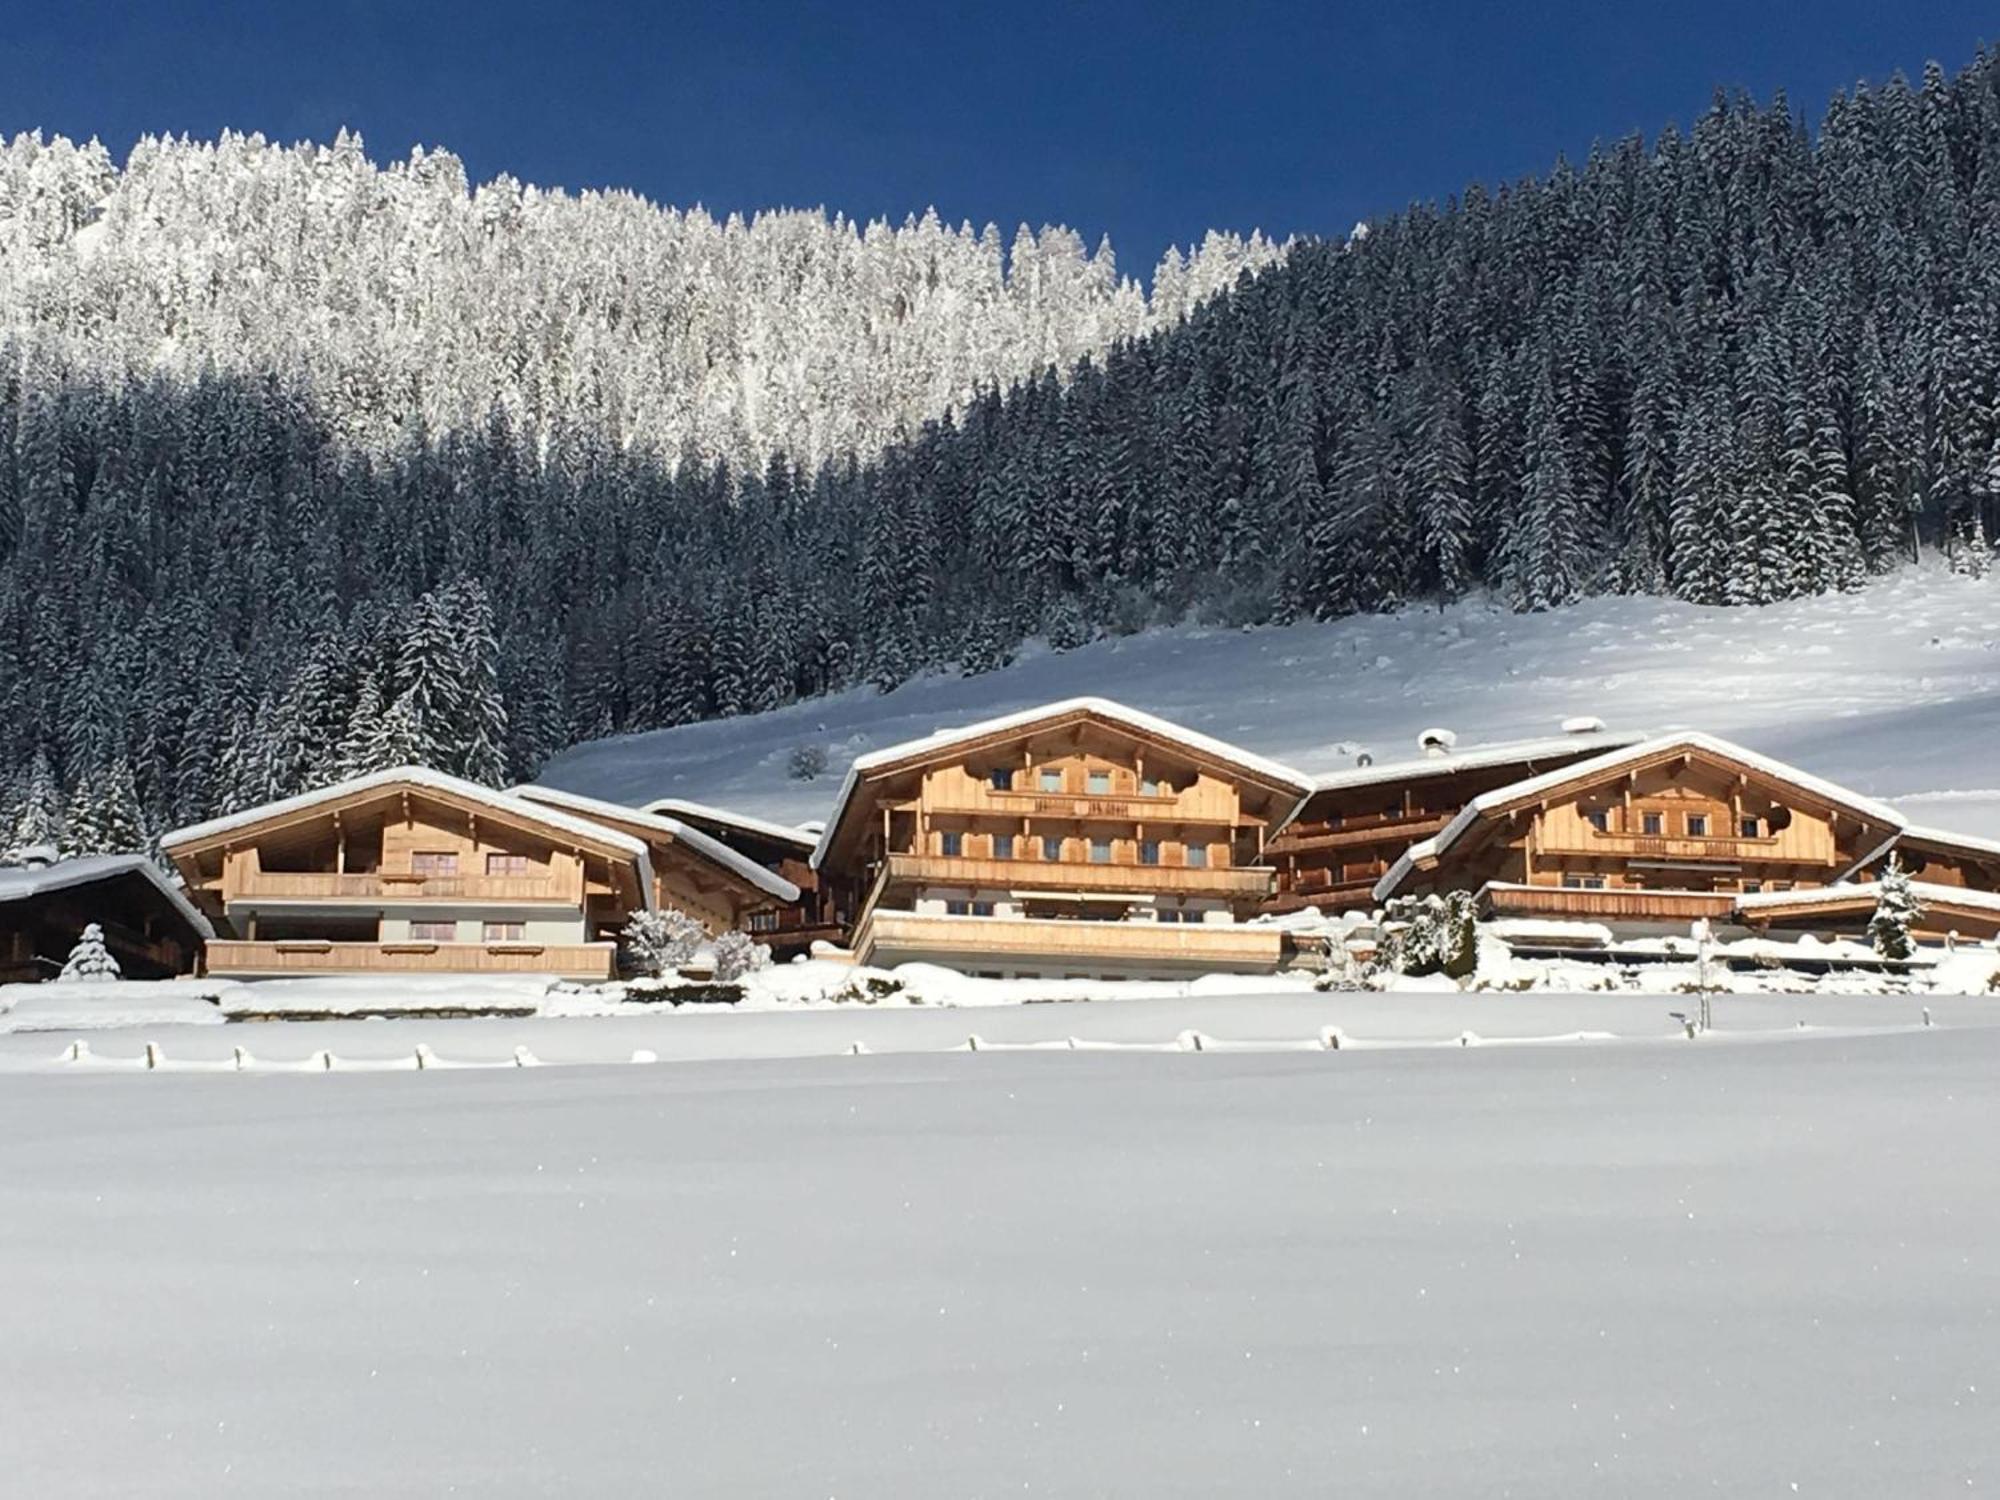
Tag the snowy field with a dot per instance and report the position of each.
(1894, 691)
(1637, 1269)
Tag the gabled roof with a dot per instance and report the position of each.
(1479, 757)
(66, 874)
(712, 849)
(680, 807)
(1549, 782)
(534, 814)
(1918, 834)
(943, 741)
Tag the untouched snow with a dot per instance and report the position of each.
(1893, 692)
(1636, 1270)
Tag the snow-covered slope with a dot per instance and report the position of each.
(1894, 691)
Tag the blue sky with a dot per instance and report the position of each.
(1149, 122)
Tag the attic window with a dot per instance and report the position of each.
(1697, 825)
(1052, 779)
(1597, 818)
(1750, 828)
(1652, 823)
(1099, 783)
(1001, 778)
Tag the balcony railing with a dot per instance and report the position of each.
(229, 956)
(1210, 945)
(1626, 904)
(1378, 831)
(1723, 849)
(381, 885)
(1250, 882)
(1118, 807)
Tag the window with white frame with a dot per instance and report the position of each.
(433, 932)
(503, 932)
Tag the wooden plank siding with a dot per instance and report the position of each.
(238, 957)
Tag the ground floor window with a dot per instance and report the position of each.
(1583, 882)
(763, 921)
(433, 932)
(505, 932)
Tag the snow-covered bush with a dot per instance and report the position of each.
(807, 763)
(657, 943)
(1432, 935)
(737, 954)
(1896, 912)
(90, 959)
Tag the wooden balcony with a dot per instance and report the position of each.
(899, 937)
(1114, 807)
(382, 886)
(1732, 851)
(233, 957)
(1378, 831)
(1244, 882)
(1627, 905)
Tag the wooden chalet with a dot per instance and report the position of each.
(1358, 821)
(1649, 837)
(787, 853)
(1080, 839)
(412, 871)
(149, 927)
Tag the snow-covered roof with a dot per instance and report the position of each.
(1867, 892)
(680, 807)
(1551, 781)
(706, 845)
(1917, 833)
(1104, 708)
(533, 813)
(1476, 757)
(19, 885)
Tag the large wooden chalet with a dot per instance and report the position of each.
(1078, 839)
(1654, 835)
(414, 871)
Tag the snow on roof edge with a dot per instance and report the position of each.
(1937, 835)
(1476, 757)
(667, 806)
(1867, 890)
(65, 874)
(710, 847)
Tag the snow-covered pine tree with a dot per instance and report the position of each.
(1897, 910)
(90, 959)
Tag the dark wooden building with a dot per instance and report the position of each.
(149, 926)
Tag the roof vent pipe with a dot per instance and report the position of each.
(1436, 741)
(1583, 724)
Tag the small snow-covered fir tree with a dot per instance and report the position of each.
(657, 943)
(737, 954)
(1896, 912)
(90, 959)
(1437, 935)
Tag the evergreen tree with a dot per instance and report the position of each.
(1897, 911)
(90, 959)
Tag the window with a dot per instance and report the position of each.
(1099, 783)
(951, 843)
(1583, 882)
(503, 932)
(1003, 846)
(1051, 779)
(1152, 786)
(1197, 856)
(1051, 847)
(1752, 887)
(1149, 851)
(1100, 851)
(506, 864)
(763, 921)
(1598, 818)
(1002, 779)
(957, 908)
(433, 932)
(982, 908)
(1697, 825)
(1750, 828)
(1652, 823)
(433, 862)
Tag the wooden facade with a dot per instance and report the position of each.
(412, 871)
(1017, 839)
(1357, 822)
(1629, 836)
(148, 927)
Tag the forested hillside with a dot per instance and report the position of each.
(1736, 364)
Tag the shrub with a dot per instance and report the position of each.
(808, 762)
(657, 943)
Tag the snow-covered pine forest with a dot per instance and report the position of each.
(1737, 364)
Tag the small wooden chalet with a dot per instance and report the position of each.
(1080, 839)
(1948, 912)
(412, 871)
(1938, 858)
(149, 926)
(1358, 821)
(1649, 837)
(785, 852)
